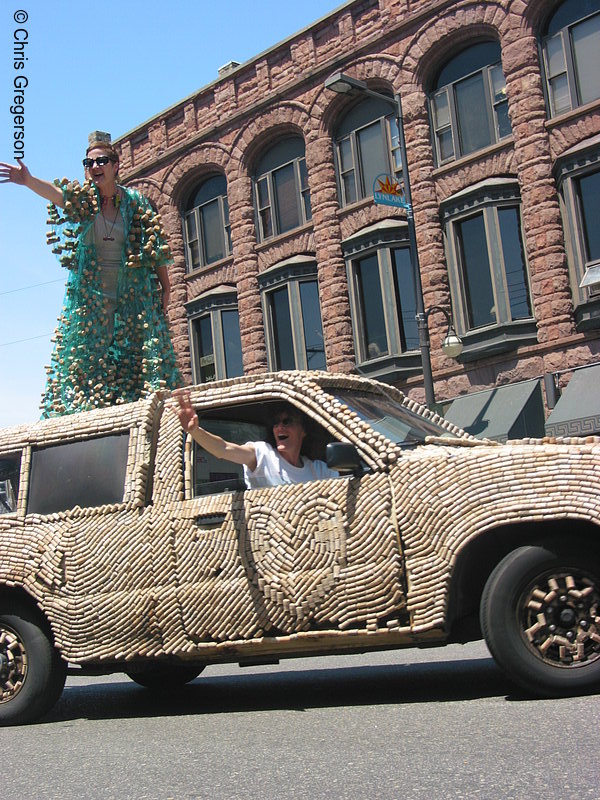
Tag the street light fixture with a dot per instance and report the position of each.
(452, 345)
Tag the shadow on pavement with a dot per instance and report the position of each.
(441, 681)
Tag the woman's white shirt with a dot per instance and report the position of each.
(272, 470)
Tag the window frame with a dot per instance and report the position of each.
(564, 34)
(399, 362)
(289, 275)
(569, 171)
(224, 228)
(212, 306)
(505, 333)
(454, 126)
(391, 150)
(302, 197)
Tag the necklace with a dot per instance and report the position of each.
(107, 233)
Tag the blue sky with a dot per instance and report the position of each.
(107, 66)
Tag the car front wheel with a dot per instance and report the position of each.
(540, 616)
(32, 674)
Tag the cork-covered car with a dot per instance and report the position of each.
(126, 548)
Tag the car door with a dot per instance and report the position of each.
(323, 555)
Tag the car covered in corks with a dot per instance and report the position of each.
(124, 547)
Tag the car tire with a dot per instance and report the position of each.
(32, 673)
(164, 676)
(540, 617)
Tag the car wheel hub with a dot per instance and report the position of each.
(561, 618)
(13, 664)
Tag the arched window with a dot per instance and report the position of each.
(571, 46)
(281, 195)
(469, 108)
(366, 145)
(207, 232)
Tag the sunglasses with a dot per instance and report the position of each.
(286, 421)
(101, 161)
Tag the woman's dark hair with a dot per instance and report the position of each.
(107, 147)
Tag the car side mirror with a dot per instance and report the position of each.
(343, 457)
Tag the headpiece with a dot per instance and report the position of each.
(96, 137)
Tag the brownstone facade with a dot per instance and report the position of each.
(395, 46)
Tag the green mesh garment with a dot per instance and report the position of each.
(104, 357)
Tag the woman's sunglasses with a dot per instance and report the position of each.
(287, 421)
(101, 161)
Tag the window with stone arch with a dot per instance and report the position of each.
(366, 146)
(469, 108)
(571, 49)
(206, 229)
(281, 194)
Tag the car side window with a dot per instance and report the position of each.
(212, 475)
(10, 468)
(87, 473)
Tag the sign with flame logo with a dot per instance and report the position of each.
(387, 191)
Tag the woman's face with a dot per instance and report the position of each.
(289, 433)
(104, 176)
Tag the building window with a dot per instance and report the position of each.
(293, 315)
(571, 47)
(469, 108)
(384, 328)
(207, 232)
(383, 300)
(488, 266)
(281, 194)
(366, 146)
(215, 337)
(587, 189)
(579, 185)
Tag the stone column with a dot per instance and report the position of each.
(542, 225)
(333, 282)
(252, 329)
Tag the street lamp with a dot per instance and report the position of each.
(452, 346)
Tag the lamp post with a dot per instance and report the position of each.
(345, 84)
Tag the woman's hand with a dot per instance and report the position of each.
(216, 445)
(19, 174)
(13, 173)
(185, 410)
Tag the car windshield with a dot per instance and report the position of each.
(399, 424)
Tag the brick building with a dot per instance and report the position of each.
(264, 179)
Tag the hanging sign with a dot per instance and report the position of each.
(388, 191)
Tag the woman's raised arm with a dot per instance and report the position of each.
(19, 174)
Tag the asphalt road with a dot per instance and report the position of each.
(413, 724)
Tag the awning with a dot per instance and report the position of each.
(577, 413)
(506, 412)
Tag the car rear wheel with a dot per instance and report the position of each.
(164, 676)
(32, 673)
(540, 616)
